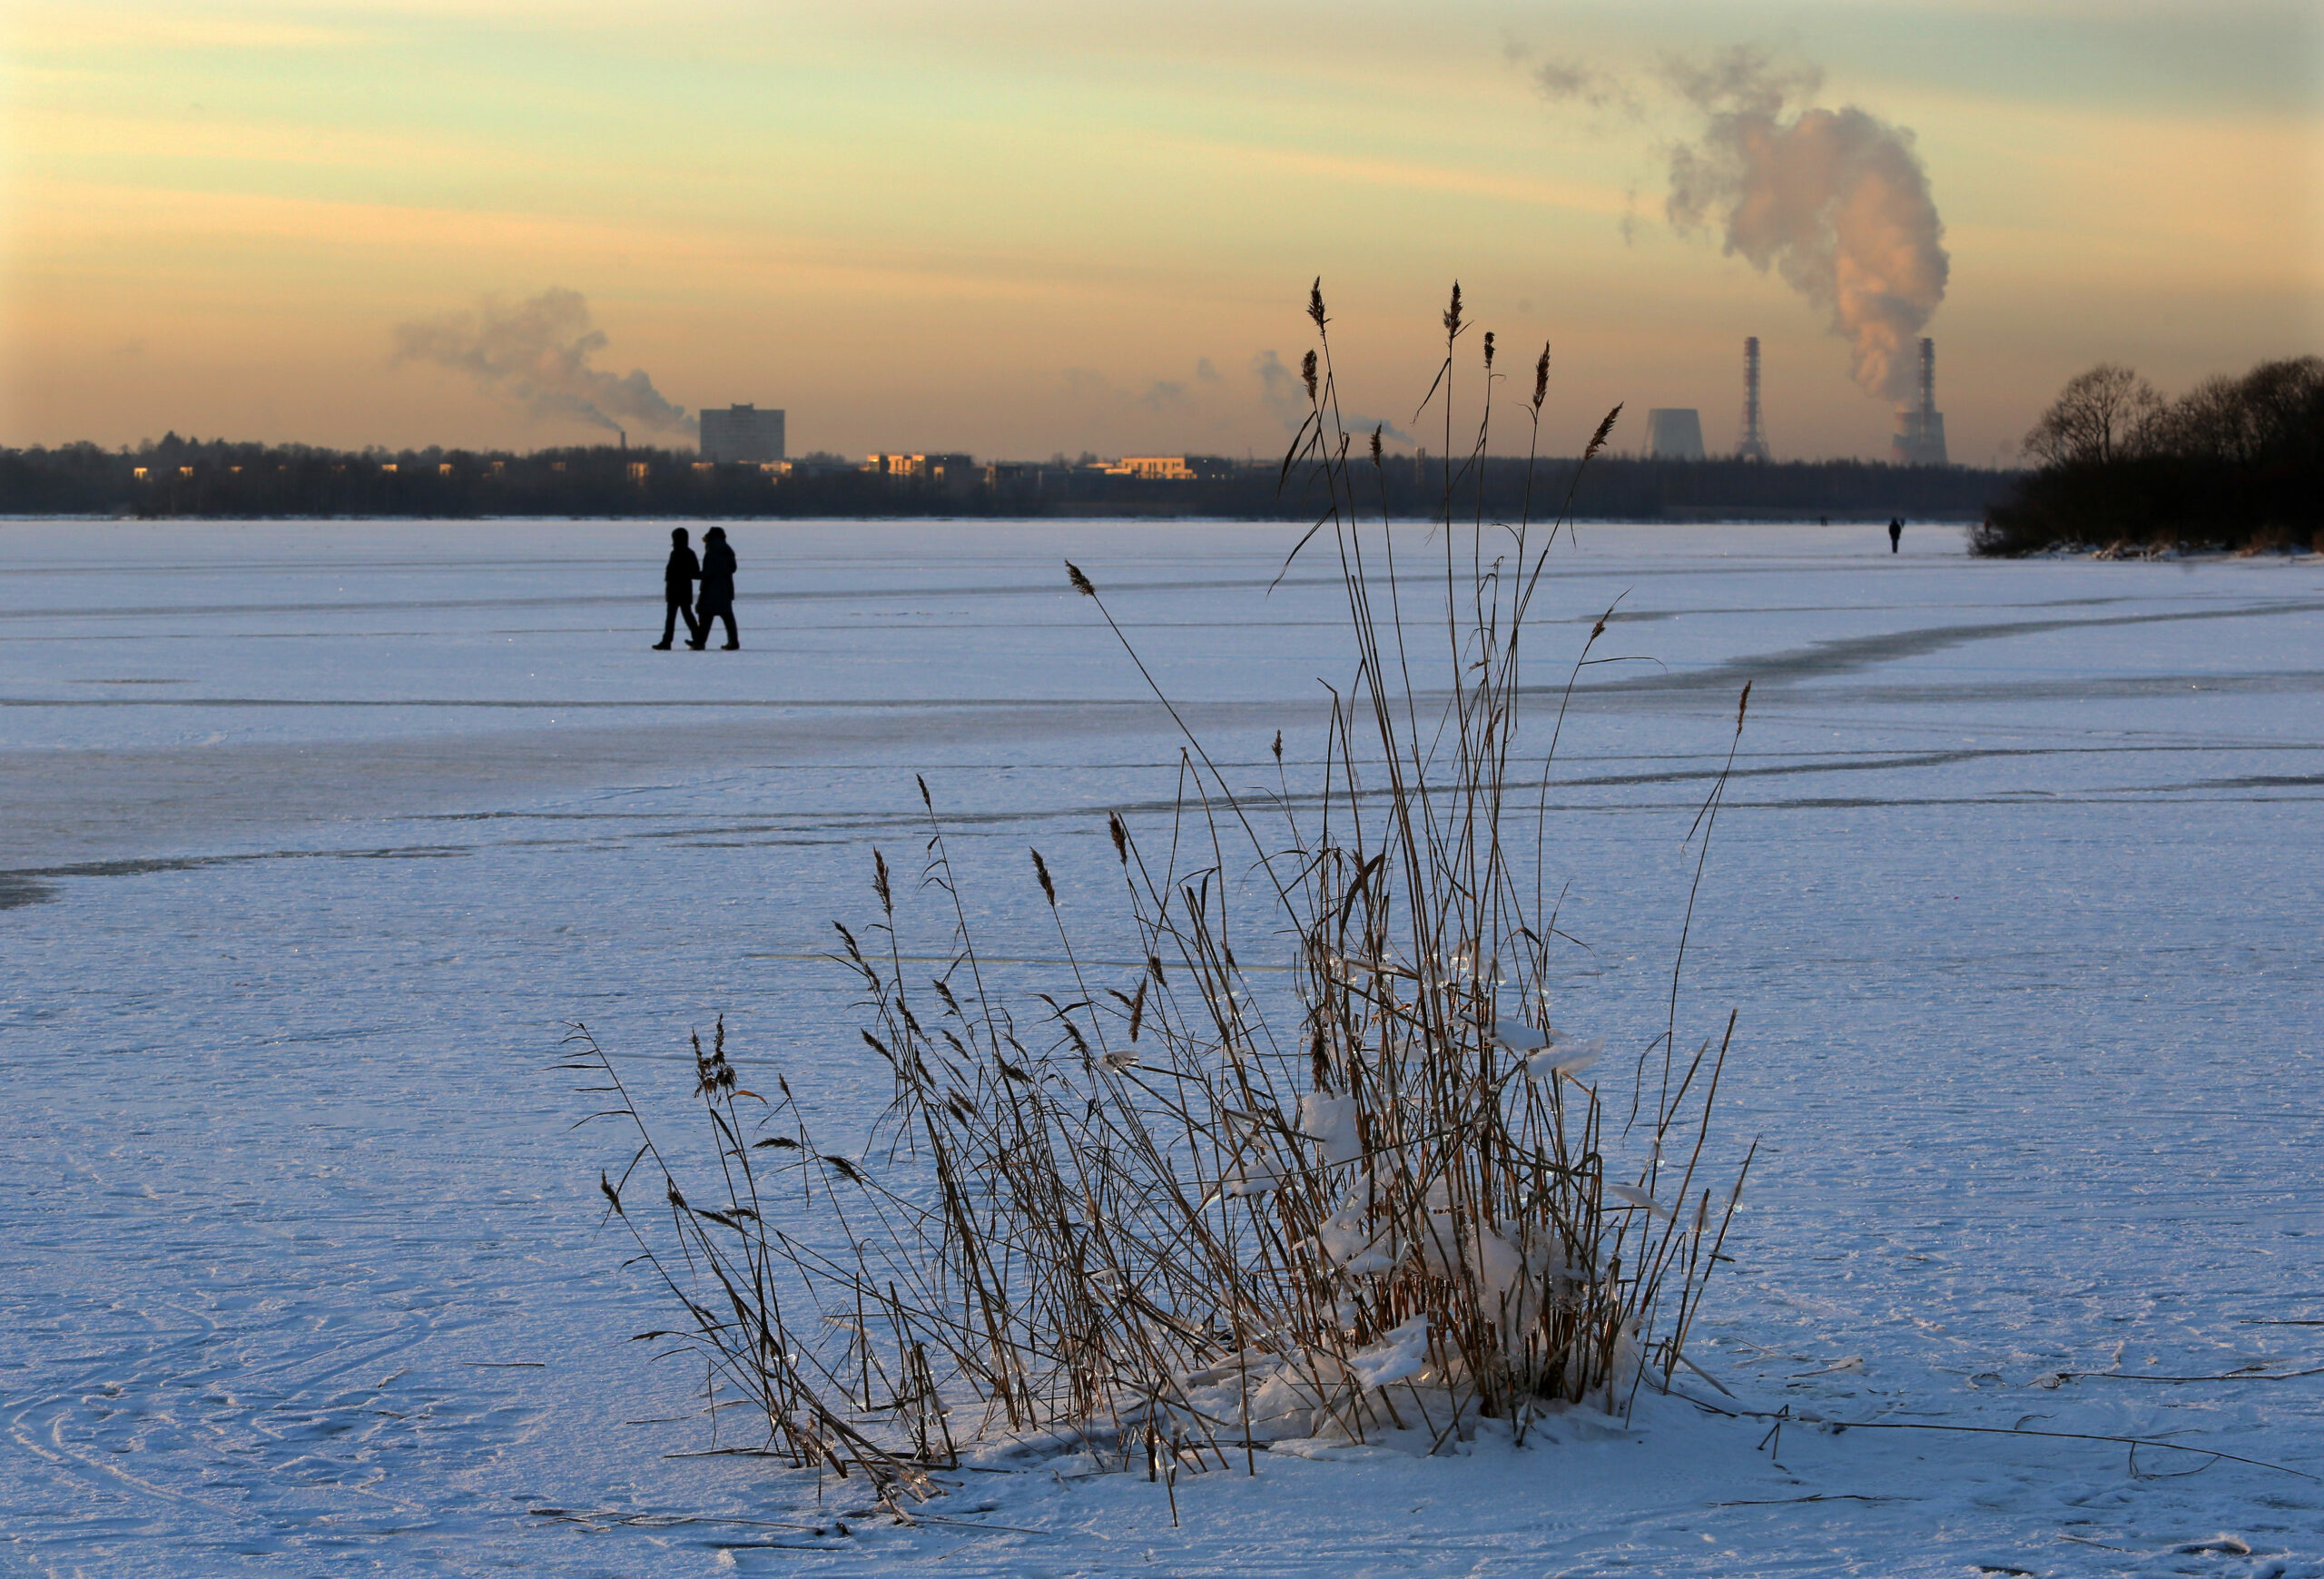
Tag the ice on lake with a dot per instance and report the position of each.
(317, 835)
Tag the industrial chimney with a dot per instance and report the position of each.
(1754, 444)
(1920, 431)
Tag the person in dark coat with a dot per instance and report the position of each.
(1896, 532)
(678, 577)
(717, 601)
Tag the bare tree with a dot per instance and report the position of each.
(2100, 416)
(2271, 411)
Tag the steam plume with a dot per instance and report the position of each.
(1576, 82)
(535, 355)
(1283, 394)
(1836, 201)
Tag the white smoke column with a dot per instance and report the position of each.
(536, 354)
(1835, 199)
(1282, 394)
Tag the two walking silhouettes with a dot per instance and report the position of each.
(715, 571)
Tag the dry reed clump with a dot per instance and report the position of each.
(1170, 1215)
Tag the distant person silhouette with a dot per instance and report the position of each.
(1896, 532)
(678, 577)
(717, 592)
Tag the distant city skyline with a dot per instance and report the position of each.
(1016, 229)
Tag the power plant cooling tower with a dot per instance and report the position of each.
(1674, 433)
(1753, 445)
(1920, 429)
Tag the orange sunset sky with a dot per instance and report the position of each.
(1014, 229)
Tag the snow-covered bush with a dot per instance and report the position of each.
(1171, 1213)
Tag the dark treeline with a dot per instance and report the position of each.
(218, 479)
(2236, 463)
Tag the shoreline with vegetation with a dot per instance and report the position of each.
(217, 480)
(2236, 465)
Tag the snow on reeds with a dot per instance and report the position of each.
(1168, 1215)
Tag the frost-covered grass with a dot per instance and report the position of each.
(329, 828)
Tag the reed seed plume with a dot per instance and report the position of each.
(1488, 351)
(1598, 439)
(1307, 373)
(1081, 584)
(1315, 303)
(1541, 381)
(1452, 324)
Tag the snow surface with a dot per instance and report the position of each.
(316, 834)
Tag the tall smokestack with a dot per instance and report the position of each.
(1754, 444)
(1920, 429)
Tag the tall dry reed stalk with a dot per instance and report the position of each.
(1174, 1214)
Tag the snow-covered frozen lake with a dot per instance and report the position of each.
(313, 838)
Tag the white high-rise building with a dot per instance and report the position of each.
(742, 433)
